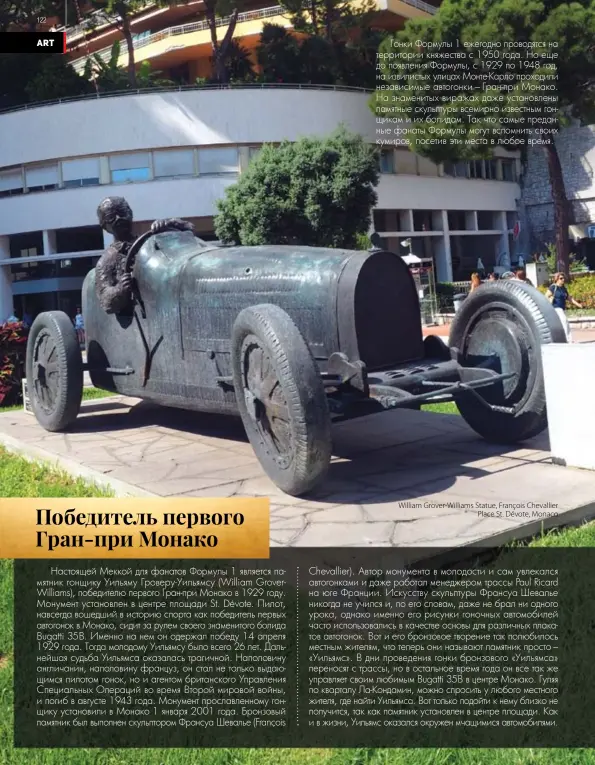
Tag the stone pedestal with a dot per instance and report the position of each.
(569, 371)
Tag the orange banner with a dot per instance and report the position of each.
(134, 528)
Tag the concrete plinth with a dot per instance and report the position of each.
(569, 371)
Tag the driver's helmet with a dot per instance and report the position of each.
(112, 209)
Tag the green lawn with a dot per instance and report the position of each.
(21, 478)
(18, 477)
(446, 408)
(88, 394)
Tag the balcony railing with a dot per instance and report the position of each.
(422, 6)
(100, 19)
(95, 21)
(184, 29)
(201, 26)
(181, 88)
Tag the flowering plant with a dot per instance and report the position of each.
(13, 344)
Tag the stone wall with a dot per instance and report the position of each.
(576, 148)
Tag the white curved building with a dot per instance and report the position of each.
(174, 154)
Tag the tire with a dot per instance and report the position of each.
(281, 399)
(54, 371)
(503, 326)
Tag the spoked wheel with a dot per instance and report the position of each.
(54, 371)
(281, 398)
(502, 327)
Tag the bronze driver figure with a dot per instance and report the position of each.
(113, 283)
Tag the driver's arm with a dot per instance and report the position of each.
(177, 224)
(113, 294)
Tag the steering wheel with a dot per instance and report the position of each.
(133, 251)
(138, 243)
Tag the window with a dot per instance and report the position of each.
(422, 220)
(130, 168)
(387, 161)
(80, 172)
(462, 169)
(391, 220)
(487, 221)
(218, 161)
(173, 164)
(11, 182)
(28, 245)
(253, 151)
(457, 220)
(74, 267)
(476, 168)
(42, 177)
(491, 169)
(508, 170)
(79, 239)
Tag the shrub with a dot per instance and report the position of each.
(551, 257)
(363, 242)
(13, 344)
(445, 292)
(317, 192)
(582, 288)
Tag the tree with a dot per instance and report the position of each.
(16, 71)
(357, 59)
(278, 55)
(215, 10)
(122, 12)
(29, 15)
(25, 13)
(319, 59)
(315, 192)
(109, 76)
(238, 64)
(56, 78)
(559, 37)
(6, 10)
(333, 20)
(283, 58)
(332, 52)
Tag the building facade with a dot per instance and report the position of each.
(175, 153)
(176, 39)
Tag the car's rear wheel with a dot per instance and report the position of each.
(502, 326)
(281, 398)
(54, 371)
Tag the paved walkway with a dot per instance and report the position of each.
(399, 478)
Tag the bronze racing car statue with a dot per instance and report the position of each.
(292, 339)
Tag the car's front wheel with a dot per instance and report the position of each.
(502, 326)
(54, 370)
(281, 398)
